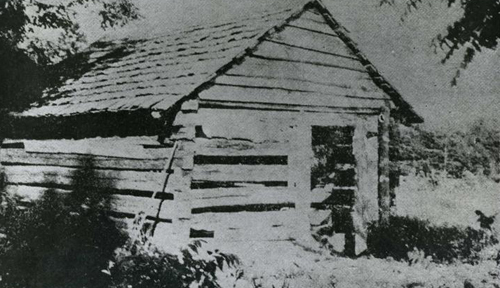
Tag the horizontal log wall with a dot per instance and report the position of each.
(133, 166)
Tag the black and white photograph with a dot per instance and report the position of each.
(249, 143)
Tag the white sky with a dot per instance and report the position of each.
(400, 50)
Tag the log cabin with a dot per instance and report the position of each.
(257, 129)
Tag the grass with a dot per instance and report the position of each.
(451, 202)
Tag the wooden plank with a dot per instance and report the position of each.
(303, 73)
(313, 26)
(274, 96)
(128, 147)
(243, 192)
(242, 220)
(240, 173)
(208, 184)
(223, 147)
(305, 86)
(29, 193)
(365, 149)
(126, 205)
(315, 41)
(190, 106)
(280, 125)
(242, 208)
(273, 225)
(134, 205)
(271, 234)
(218, 159)
(282, 120)
(61, 176)
(250, 125)
(239, 196)
(311, 15)
(384, 197)
(277, 51)
(21, 157)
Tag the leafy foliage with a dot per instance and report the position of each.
(475, 30)
(21, 19)
(62, 240)
(140, 264)
(404, 235)
(26, 57)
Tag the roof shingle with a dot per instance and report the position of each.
(152, 73)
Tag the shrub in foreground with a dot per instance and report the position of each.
(445, 244)
(62, 239)
(140, 264)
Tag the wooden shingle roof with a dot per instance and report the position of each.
(152, 73)
(156, 73)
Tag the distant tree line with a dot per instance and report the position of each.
(475, 149)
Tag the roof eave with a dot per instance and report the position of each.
(405, 111)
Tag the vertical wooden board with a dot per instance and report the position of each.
(384, 197)
(366, 154)
(300, 165)
(186, 152)
(179, 181)
(300, 160)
